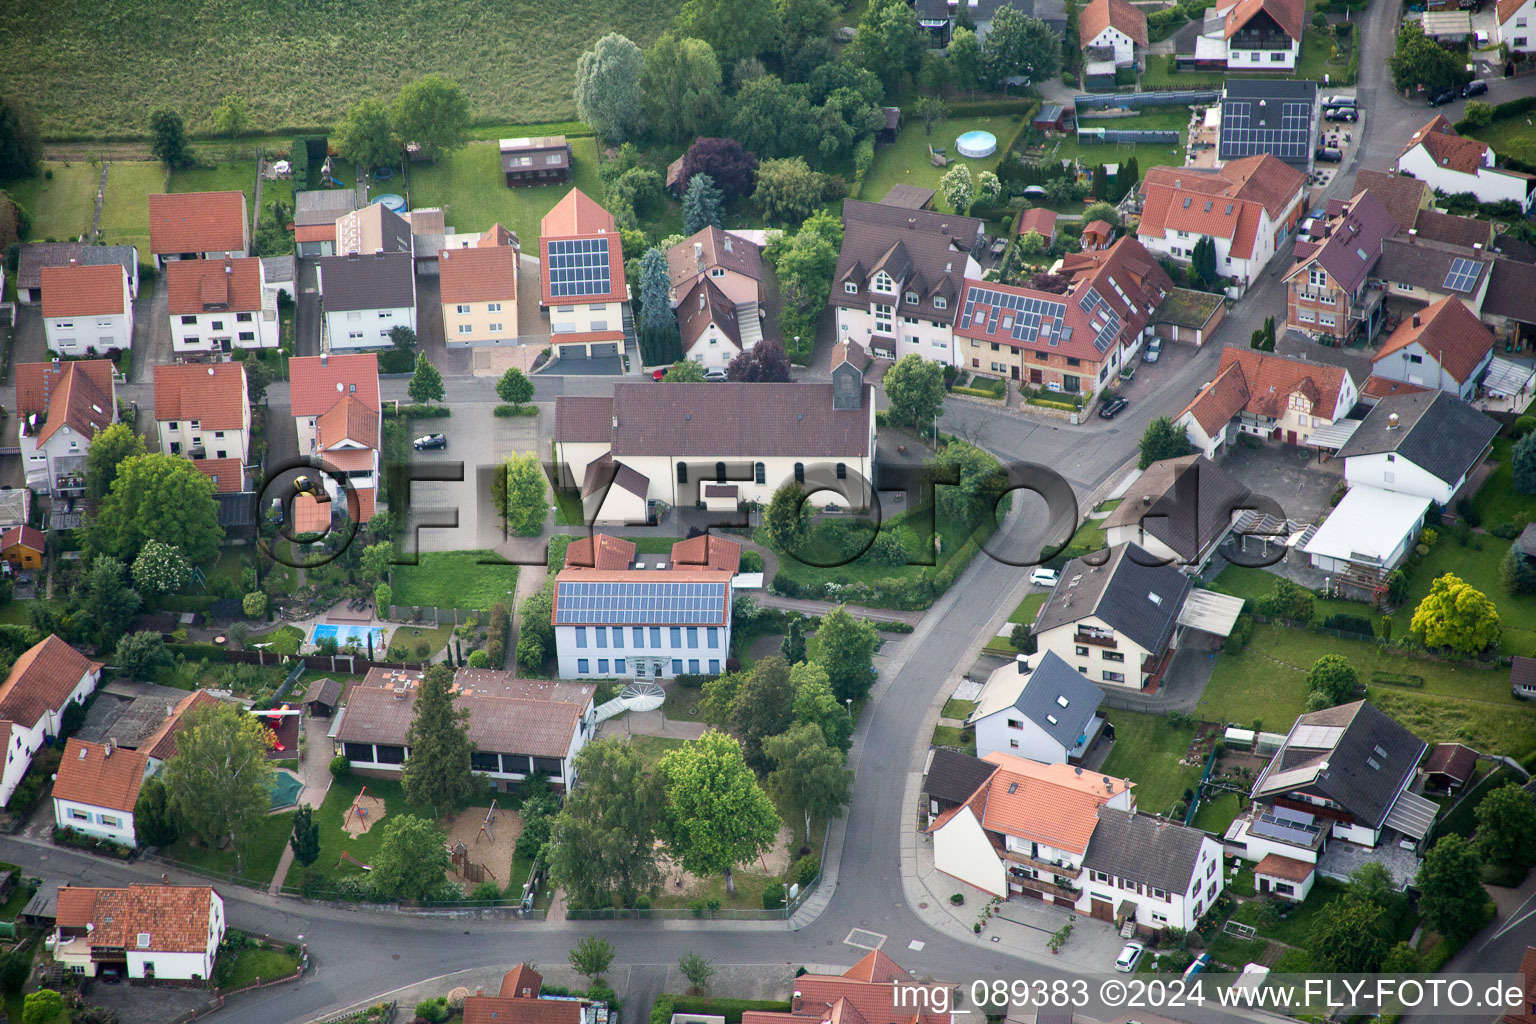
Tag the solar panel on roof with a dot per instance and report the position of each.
(1243, 134)
(1284, 826)
(578, 266)
(619, 603)
(1462, 275)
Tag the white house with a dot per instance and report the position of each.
(62, 406)
(151, 932)
(1048, 714)
(686, 611)
(365, 297)
(1252, 35)
(518, 726)
(87, 310)
(1150, 870)
(198, 226)
(202, 412)
(1368, 533)
(1247, 207)
(96, 789)
(582, 278)
(1451, 163)
(1517, 24)
(717, 293)
(45, 680)
(1402, 445)
(1269, 396)
(1444, 346)
(1113, 25)
(216, 306)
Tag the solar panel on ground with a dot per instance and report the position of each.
(1462, 275)
(578, 266)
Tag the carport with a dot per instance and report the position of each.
(1334, 435)
(1210, 612)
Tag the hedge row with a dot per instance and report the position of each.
(416, 412)
(516, 410)
(978, 393)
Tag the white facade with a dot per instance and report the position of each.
(1180, 245)
(1206, 444)
(226, 330)
(961, 849)
(349, 330)
(1113, 660)
(1392, 472)
(1011, 732)
(1263, 60)
(1159, 908)
(934, 340)
(1113, 39)
(1414, 364)
(1370, 527)
(93, 334)
(24, 740)
(1518, 31)
(103, 822)
(1488, 184)
(642, 652)
(713, 348)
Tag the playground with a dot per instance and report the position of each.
(364, 813)
(679, 887)
(486, 845)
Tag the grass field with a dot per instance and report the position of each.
(1498, 501)
(282, 640)
(1517, 612)
(1146, 154)
(1147, 751)
(468, 184)
(333, 813)
(1253, 584)
(906, 162)
(125, 207)
(262, 851)
(454, 579)
(254, 964)
(1509, 136)
(61, 206)
(96, 71)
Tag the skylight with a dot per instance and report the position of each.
(1062, 701)
(1156, 599)
(1052, 719)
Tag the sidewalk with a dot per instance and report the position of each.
(315, 770)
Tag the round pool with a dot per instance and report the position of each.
(976, 144)
(391, 201)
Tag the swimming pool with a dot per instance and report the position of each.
(344, 635)
(976, 144)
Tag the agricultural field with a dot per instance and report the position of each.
(94, 70)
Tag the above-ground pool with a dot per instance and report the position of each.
(976, 144)
(344, 635)
(395, 203)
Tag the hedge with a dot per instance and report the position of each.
(516, 410)
(977, 392)
(416, 412)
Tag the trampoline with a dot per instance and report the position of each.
(384, 173)
(976, 144)
(395, 203)
(344, 635)
(285, 789)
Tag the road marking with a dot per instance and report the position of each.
(864, 939)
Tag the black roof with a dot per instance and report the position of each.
(1145, 849)
(1126, 588)
(1197, 509)
(1434, 430)
(237, 509)
(1053, 681)
(376, 281)
(327, 693)
(955, 777)
(1276, 117)
(1512, 291)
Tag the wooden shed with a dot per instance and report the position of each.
(324, 695)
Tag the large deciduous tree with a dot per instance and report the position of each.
(106, 600)
(603, 844)
(717, 815)
(680, 82)
(965, 59)
(958, 189)
(412, 859)
(437, 772)
(1506, 827)
(608, 92)
(969, 484)
(816, 704)
(735, 28)
(1351, 937)
(1331, 681)
(168, 138)
(21, 147)
(514, 387)
(915, 388)
(773, 119)
(1420, 61)
(1456, 615)
(788, 190)
(367, 135)
(732, 168)
(108, 449)
(219, 780)
(808, 774)
(161, 568)
(157, 497)
(154, 821)
(786, 515)
(433, 113)
(847, 652)
(1019, 45)
(763, 707)
(1451, 895)
(764, 362)
(518, 489)
(889, 43)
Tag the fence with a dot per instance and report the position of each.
(1101, 136)
(1194, 805)
(1183, 98)
(365, 1014)
(348, 664)
(420, 615)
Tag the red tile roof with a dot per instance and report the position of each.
(77, 394)
(501, 1010)
(84, 291)
(1288, 868)
(1446, 148)
(577, 214)
(1381, 387)
(316, 383)
(311, 515)
(228, 475)
(1102, 14)
(877, 968)
(1053, 804)
(23, 536)
(176, 918)
(1263, 384)
(314, 233)
(612, 553)
(41, 680)
(478, 275)
(1039, 220)
(161, 743)
(707, 551)
(522, 982)
(348, 420)
(197, 222)
(1457, 760)
(361, 503)
(92, 773)
(1446, 330)
(206, 286)
(1528, 972)
(1223, 204)
(349, 459)
(1507, 9)
(212, 393)
(1288, 14)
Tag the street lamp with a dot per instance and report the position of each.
(849, 702)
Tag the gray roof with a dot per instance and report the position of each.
(955, 777)
(1512, 291)
(377, 281)
(1040, 700)
(1435, 431)
(44, 903)
(1426, 264)
(1187, 503)
(34, 256)
(1125, 588)
(277, 269)
(1265, 99)
(1145, 849)
(125, 256)
(313, 206)
(237, 509)
(327, 693)
(925, 251)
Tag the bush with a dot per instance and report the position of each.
(486, 891)
(515, 410)
(751, 561)
(807, 868)
(1349, 624)
(957, 898)
(1242, 633)
(773, 897)
(1506, 531)
(1524, 425)
(340, 767)
(433, 1010)
(416, 412)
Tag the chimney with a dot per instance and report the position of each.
(1416, 321)
(1392, 421)
(107, 747)
(698, 250)
(615, 423)
(210, 372)
(1022, 661)
(794, 1003)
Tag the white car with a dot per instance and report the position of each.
(715, 373)
(1043, 577)
(1129, 957)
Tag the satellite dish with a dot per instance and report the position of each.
(643, 696)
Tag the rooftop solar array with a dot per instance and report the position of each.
(1463, 275)
(578, 266)
(1292, 826)
(650, 603)
(1105, 323)
(1243, 134)
(1034, 320)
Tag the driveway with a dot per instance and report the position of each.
(1290, 475)
(477, 442)
(429, 329)
(577, 366)
(306, 317)
(151, 331)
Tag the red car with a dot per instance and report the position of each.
(659, 374)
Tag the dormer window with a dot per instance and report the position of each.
(883, 282)
(851, 287)
(912, 298)
(940, 302)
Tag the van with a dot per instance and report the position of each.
(1329, 155)
(1332, 102)
(1476, 87)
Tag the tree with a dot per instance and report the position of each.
(438, 773)
(808, 774)
(1018, 45)
(696, 967)
(383, 597)
(786, 515)
(958, 189)
(934, 72)
(411, 859)
(1516, 572)
(168, 138)
(889, 42)
(793, 645)
(764, 707)
(989, 188)
(602, 845)
(847, 652)
(773, 119)
(231, 116)
(161, 569)
(815, 703)
(763, 362)
(157, 497)
(1372, 883)
(1454, 614)
(1332, 681)
(15, 969)
(608, 94)
(915, 388)
(965, 58)
(1452, 900)
(254, 605)
(680, 83)
(717, 815)
(1031, 243)
(219, 781)
(154, 822)
(426, 383)
(21, 148)
(787, 189)
(141, 655)
(367, 135)
(1163, 440)
(520, 494)
(702, 204)
(1478, 114)
(258, 377)
(106, 599)
(592, 957)
(1402, 959)
(514, 387)
(976, 485)
(433, 113)
(107, 451)
(931, 110)
(305, 839)
(1523, 460)
(1420, 61)
(1506, 827)
(805, 262)
(731, 167)
(376, 560)
(1203, 260)
(1351, 937)
(45, 1006)
(735, 28)
(684, 371)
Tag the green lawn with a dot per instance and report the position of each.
(1480, 568)
(61, 207)
(469, 185)
(125, 208)
(956, 708)
(568, 510)
(653, 748)
(255, 963)
(906, 161)
(262, 851)
(454, 579)
(1497, 501)
(283, 640)
(951, 736)
(1253, 584)
(234, 176)
(1147, 751)
(1029, 607)
(412, 637)
(1147, 154)
(1215, 815)
(1295, 928)
(1509, 136)
(333, 813)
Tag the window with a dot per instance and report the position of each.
(582, 666)
(717, 272)
(618, 636)
(243, 318)
(1159, 918)
(1113, 655)
(677, 636)
(655, 636)
(1210, 892)
(1113, 677)
(247, 335)
(217, 325)
(172, 425)
(602, 666)
(599, 325)
(495, 328)
(565, 309)
(1015, 723)
(693, 637)
(719, 472)
(1283, 888)
(940, 302)
(799, 472)
(1277, 56)
(1306, 316)
(493, 307)
(386, 315)
(184, 320)
(693, 666)
(1417, 360)
(842, 471)
(682, 472)
(1013, 744)
(1080, 650)
(677, 666)
(1197, 908)
(1159, 894)
(602, 637)
(1390, 456)
(714, 666)
(912, 298)
(712, 636)
(850, 287)
(638, 636)
(483, 762)
(76, 814)
(1099, 876)
(1126, 883)
(618, 666)
(1317, 278)
(581, 636)
(1210, 869)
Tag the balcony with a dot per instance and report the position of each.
(69, 484)
(1096, 640)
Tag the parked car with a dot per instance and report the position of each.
(1329, 155)
(660, 374)
(1043, 577)
(1341, 114)
(1129, 957)
(1442, 97)
(430, 442)
(110, 974)
(1154, 351)
(1339, 100)
(1477, 87)
(1112, 406)
(715, 373)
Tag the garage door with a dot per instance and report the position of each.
(609, 349)
(1103, 910)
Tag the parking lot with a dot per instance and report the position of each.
(478, 440)
(1289, 474)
